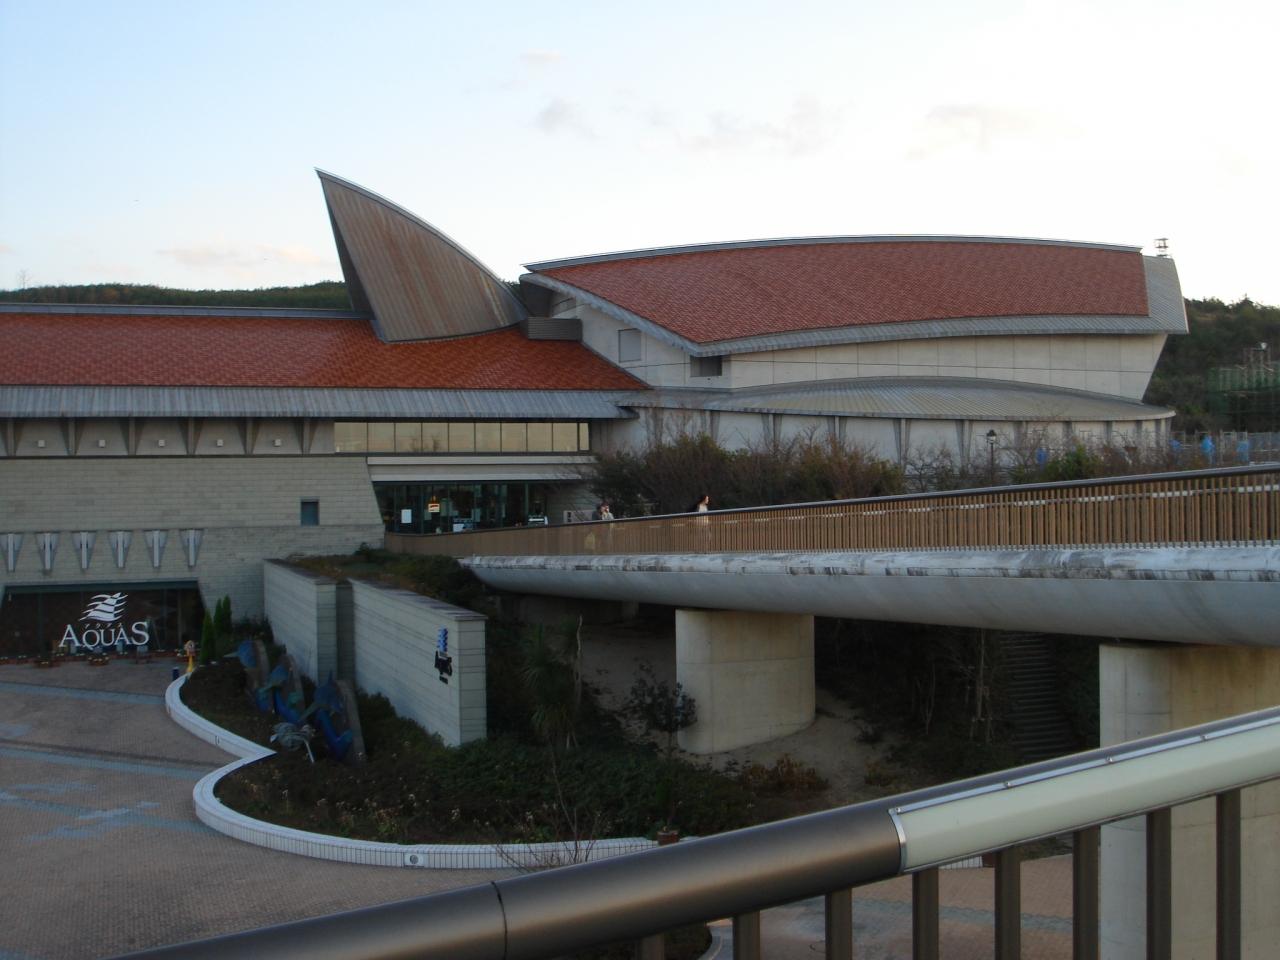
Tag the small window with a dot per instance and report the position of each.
(488, 437)
(311, 513)
(513, 438)
(435, 437)
(350, 437)
(382, 438)
(462, 437)
(540, 437)
(707, 366)
(408, 437)
(628, 345)
(564, 437)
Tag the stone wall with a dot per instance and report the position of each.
(247, 509)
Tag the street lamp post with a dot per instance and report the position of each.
(992, 438)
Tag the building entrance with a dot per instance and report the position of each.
(69, 620)
(452, 507)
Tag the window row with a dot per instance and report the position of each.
(479, 436)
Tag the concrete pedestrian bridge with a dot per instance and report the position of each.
(1190, 557)
(1189, 560)
(1215, 595)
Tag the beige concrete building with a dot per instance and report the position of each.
(152, 458)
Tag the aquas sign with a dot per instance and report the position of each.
(103, 625)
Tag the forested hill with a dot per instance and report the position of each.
(1219, 333)
(330, 294)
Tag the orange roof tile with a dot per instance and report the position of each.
(138, 350)
(706, 296)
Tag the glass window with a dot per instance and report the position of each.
(435, 437)
(707, 366)
(408, 438)
(489, 437)
(462, 437)
(513, 438)
(382, 437)
(310, 513)
(564, 437)
(540, 437)
(584, 436)
(628, 345)
(350, 437)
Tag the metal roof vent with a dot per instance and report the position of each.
(552, 328)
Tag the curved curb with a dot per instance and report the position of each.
(432, 856)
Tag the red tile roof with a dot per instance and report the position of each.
(713, 295)
(136, 350)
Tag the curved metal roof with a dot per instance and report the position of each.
(763, 295)
(414, 281)
(644, 254)
(933, 398)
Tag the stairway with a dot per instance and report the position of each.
(1041, 729)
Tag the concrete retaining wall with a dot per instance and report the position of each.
(395, 655)
(302, 609)
(385, 641)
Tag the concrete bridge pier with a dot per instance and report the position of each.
(751, 675)
(1147, 689)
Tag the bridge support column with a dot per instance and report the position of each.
(751, 675)
(1147, 689)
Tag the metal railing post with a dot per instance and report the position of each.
(924, 915)
(839, 923)
(1228, 830)
(1084, 894)
(1009, 904)
(1159, 884)
(746, 936)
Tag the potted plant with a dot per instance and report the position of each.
(48, 657)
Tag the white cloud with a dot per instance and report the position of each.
(238, 258)
(977, 127)
(563, 116)
(537, 59)
(806, 128)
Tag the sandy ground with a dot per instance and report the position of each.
(612, 654)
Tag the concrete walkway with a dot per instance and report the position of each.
(100, 850)
(101, 854)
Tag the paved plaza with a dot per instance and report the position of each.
(101, 852)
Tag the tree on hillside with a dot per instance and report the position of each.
(1218, 334)
(328, 294)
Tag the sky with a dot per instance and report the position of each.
(174, 143)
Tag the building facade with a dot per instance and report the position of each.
(163, 454)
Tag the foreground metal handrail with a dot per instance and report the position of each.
(1225, 507)
(739, 873)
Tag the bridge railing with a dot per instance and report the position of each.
(740, 873)
(1238, 506)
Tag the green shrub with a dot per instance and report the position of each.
(208, 640)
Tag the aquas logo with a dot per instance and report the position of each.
(106, 608)
(103, 626)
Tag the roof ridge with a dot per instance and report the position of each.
(716, 246)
